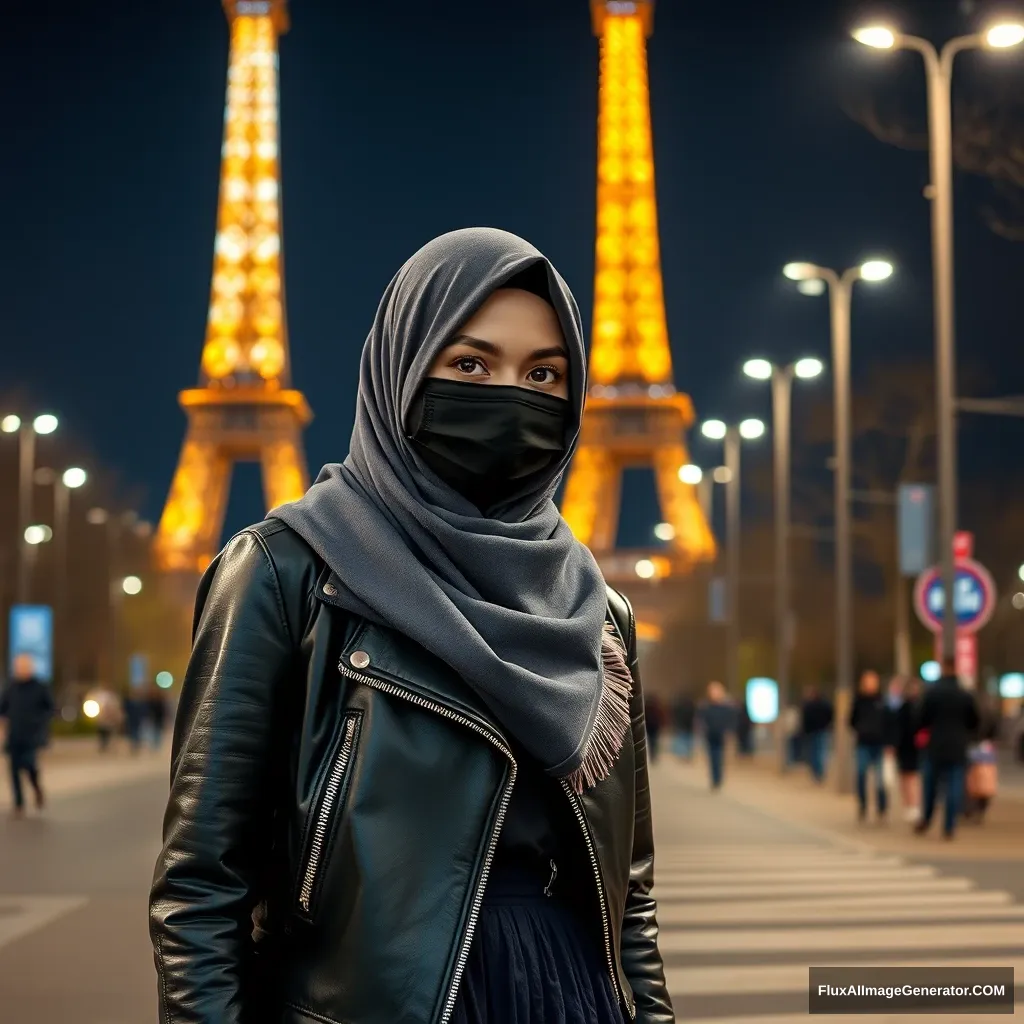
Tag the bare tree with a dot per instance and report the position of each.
(988, 141)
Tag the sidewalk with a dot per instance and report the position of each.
(795, 799)
(73, 766)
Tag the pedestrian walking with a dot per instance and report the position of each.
(871, 723)
(949, 715)
(684, 715)
(744, 729)
(654, 717)
(109, 716)
(982, 760)
(717, 716)
(816, 716)
(907, 749)
(409, 779)
(156, 707)
(27, 707)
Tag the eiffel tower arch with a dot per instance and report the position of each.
(244, 408)
(634, 416)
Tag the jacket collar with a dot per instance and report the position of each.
(388, 656)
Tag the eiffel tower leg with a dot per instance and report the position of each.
(189, 532)
(285, 477)
(588, 506)
(679, 505)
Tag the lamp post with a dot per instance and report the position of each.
(840, 290)
(46, 423)
(781, 378)
(70, 480)
(939, 74)
(731, 436)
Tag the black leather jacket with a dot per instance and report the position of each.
(336, 796)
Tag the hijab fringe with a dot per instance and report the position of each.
(612, 722)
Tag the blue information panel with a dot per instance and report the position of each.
(916, 527)
(31, 633)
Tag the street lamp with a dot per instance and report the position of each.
(45, 423)
(939, 75)
(781, 378)
(732, 435)
(131, 585)
(840, 290)
(70, 480)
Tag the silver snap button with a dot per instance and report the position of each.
(330, 590)
(360, 659)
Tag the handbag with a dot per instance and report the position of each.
(921, 738)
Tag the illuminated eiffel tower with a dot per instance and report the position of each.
(634, 415)
(244, 408)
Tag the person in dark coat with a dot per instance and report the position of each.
(654, 718)
(717, 718)
(870, 720)
(27, 706)
(950, 716)
(684, 715)
(908, 755)
(816, 716)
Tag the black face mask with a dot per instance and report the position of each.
(485, 439)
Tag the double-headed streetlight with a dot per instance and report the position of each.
(939, 73)
(840, 290)
(46, 423)
(731, 435)
(781, 378)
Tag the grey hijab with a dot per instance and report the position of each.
(512, 601)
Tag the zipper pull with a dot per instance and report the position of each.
(551, 880)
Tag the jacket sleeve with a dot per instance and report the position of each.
(217, 829)
(641, 958)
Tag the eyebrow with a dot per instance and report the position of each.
(495, 350)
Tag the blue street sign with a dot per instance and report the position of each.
(916, 527)
(31, 633)
(138, 671)
(718, 611)
(974, 597)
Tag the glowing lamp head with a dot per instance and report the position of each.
(10, 424)
(714, 429)
(91, 709)
(812, 286)
(45, 424)
(37, 534)
(74, 477)
(809, 368)
(876, 270)
(131, 585)
(665, 531)
(751, 430)
(1001, 37)
(759, 369)
(645, 569)
(164, 680)
(691, 474)
(878, 37)
(800, 271)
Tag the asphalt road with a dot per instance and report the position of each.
(746, 902)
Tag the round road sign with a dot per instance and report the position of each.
(974, 597)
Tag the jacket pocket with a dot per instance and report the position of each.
(323, 819)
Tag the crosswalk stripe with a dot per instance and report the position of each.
(825, 912)
(766, 858)
(738, 890)
(765, 979)
(20, 915)
(852, 938)
(783, 874)
(825, 1018)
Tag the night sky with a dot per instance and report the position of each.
(406, 118)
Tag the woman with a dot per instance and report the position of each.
(409, 779)
(908, 753)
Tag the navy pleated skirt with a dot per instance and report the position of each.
(533, 962)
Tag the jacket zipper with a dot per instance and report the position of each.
(323, 819)
(494, 740)
(577, 807)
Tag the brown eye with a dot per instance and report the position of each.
(554, 378)
(467, 364)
